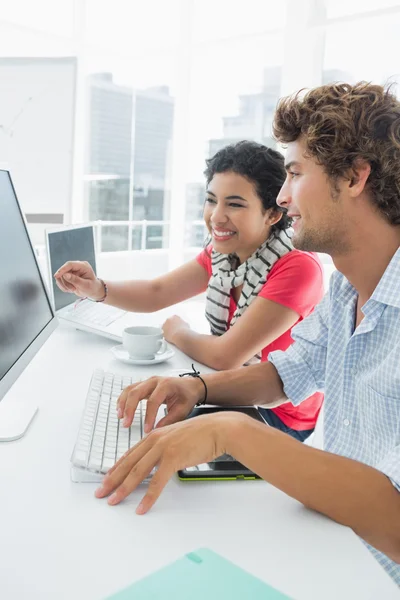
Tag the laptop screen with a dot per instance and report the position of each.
(69, 244)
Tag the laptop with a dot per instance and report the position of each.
(78, 243)
(224, 466)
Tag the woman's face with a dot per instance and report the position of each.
(235, 216)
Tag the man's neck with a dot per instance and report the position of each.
(365, 264)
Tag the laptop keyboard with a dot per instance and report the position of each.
(92, 313)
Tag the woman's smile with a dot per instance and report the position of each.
(222, 235)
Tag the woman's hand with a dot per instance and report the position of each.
(78, 277)
(172, 327)
(171, 448)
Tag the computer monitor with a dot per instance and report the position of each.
(26, 316)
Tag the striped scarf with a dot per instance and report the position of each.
(252, 274)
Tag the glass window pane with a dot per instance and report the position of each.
(377, 61)
(114, 238)
(136, 238)
(196, 234)
(340, 8)
(151, 71)
(221, 19)
(231, 99)
(16, 42)
(108, 197)
(45, 15)
(157, 236)
(132, 27)
(129, 141)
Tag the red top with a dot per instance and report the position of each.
(295, 281)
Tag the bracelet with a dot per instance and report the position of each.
(105, 292)
(195, 373)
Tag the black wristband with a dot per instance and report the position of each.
(195, 373)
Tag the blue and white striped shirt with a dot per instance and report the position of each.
(359, 372)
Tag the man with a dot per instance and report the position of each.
(343, 192)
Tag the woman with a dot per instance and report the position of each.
(258, 287)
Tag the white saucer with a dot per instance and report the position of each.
(123, 356)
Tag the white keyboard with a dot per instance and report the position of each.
(101, 439)
(92, 313)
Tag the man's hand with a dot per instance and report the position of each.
(172, 327)
(78, 277)
(179, 394)
(171, 448)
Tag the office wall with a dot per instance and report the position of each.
(37, 97)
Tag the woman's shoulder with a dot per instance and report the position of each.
(298, 260)
(206, 253)
(204, 258)
(296, 281)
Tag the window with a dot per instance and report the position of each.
(375, 44)
(163, 85)
(47, 16)
(341, 8)
(134, 75)
(129, 127)
(128, 27)
(234, 88)
(231, 19)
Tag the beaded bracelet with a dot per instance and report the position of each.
(105, 292)
(195, 373)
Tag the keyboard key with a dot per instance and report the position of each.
(107, 464)
(95, 463)
(80, 458)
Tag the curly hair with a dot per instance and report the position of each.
(342, 123)
(262, 166)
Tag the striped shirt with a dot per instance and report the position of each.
(359, 372)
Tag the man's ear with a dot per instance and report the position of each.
(358, 177)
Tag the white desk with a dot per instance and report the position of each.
(59, 542)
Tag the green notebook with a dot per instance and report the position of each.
(200, 575)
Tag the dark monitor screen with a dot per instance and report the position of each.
(25, 308)
(65, 245)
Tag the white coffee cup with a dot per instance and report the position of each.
(143, 343)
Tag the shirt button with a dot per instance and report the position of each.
(346, 422)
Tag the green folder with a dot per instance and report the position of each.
(200, 575)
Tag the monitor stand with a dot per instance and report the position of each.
(15, 419)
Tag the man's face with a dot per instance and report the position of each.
(319, 219)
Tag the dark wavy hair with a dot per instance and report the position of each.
(262, 166)
(342, 123)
